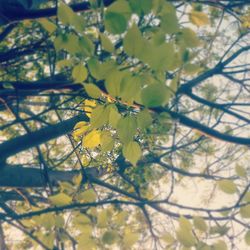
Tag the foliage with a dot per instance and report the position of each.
(124, 124)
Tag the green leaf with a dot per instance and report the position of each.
(159, 57)
(79, 73)
(144, 119)
(65, 14)
(94, 67)
(155, 95)
(132, 152)
(102, 219)
(198, 18)
(133, 42)
(168, 238)
(87, 196)
(247, 237)
(126, 128)
(107, 142)
(220, 245)
(130, 87)
(92, 90)
(185, 224)
(47, 25)
(87, 47)
(221, 230)
(115, 23)
(169, 21)
(121, 218)
(68, 17)
(122, 7)
(200, 223)
(186, 237)
(48, 239)
(92, 139)
(240, 171)
(113, 83)
(59, 221)
(106, 43)
(60, 199)
(114, 115)
(246, 197)
(189, 38)
(99, 116)
(86, 242)
(129, 238)
(141, 7)
(191, 69)
(227, 186)
(81, 219)
(245, 211)
(110, 237)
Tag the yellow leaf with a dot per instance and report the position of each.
(92, 139)
(88, 107)
(77, 179)
(198, 18)
(79, 129)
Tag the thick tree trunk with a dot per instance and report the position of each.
(21, 143)
(21, 177)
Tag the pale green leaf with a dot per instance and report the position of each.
(102, 219)
(220, 245)
(130, 87)
(168, 238)
(200, 223)
(245, 211)
(92, 90)
(121, 218)
(247, 237)
(144, 119)
(155, 95)
(115, 23)
(140, 7)
(132, 152)
(186, 237)
(86, 46)
(189, 38)
(240, 171)
(113, 82)
(107, 142)
(169, 21)
(47, 25)
(87, 196)
(59, 221)
(60, 199)
(106, 43)
(227, 186)
(126, 128)
(79, 73)
(133, 42)
(114, 116)
(99, 116)
(198, 18)
(129, 238)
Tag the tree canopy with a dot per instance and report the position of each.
(124, 124)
